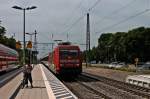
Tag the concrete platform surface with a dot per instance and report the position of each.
(8, 89)
(38, 91)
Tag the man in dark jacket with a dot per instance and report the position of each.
(25, 80)
(29, 76)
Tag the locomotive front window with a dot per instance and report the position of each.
(65, 54)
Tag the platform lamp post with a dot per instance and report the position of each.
(30, 48)
(24, 9)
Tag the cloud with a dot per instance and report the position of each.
(55, 16)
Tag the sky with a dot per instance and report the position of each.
(62, 17)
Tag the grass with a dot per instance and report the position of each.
(127, 69)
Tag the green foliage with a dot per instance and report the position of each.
(10, 42)
(122, 46)
(2, 31)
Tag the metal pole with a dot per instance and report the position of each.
(87, 38)
(35, 42)
(24, 43)
(136, 67)
(52, 43)
(31, 50)
(88, 30)
(108, 54)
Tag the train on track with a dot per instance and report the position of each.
(66, 59)
(8, 58)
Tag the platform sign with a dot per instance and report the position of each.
(18, 45)
(136, 60)
(29, 45)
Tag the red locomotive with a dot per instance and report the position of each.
(66, 59)
(8, 58)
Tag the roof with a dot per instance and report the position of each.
(68, 46)
(4, 50)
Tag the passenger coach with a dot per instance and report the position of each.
(8, 58)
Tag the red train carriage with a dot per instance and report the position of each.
(66, 59)
(8, 58)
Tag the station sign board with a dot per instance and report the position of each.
(29, 45)
(18, 45)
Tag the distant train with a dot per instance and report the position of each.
(66, 59)
(8, 58)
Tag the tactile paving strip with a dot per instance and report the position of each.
(59, 90)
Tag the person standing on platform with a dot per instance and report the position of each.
(29, 76)
(25, 80)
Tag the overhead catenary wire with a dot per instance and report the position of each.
(44, 36)
(73, 13)
(122, 21)
(116, 11)
(94, 5)
(82, 17)
(74, 23)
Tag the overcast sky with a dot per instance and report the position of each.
(58, 16)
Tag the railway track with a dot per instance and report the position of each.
(102, 95)
(135, 90)
(83, 91)
(88, 88)
(8, 76)
(106, 88)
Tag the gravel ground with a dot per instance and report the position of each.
(84, 93)
(112, 92)
(81, 91)
(108, 90)
(109, 73)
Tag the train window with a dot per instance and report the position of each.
(73, 53)
(65, 54)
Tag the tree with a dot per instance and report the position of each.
(10, 42)
(2, 30)
(103, 46)
(123, 46)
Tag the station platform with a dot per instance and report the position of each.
(7, 90)
(45, 86)
(38, 91)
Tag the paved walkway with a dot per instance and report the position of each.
(8, 89)
(38, 91)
